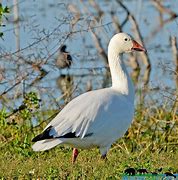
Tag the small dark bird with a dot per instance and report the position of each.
(142, 171)
(64, 59)
(169, 174)
(130, 171)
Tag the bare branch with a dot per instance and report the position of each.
(137, 32)
(116, 23)
(175, 56)
(99, 46)
(163, 9)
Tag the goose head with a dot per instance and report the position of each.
(123, 43)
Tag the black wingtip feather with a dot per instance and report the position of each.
(43, 135)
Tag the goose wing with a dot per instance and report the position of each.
(88, 114)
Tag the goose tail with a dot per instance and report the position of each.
(46, 144)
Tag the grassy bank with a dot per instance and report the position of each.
(150, 143)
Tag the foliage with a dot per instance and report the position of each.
(15, 126)
(3, 11)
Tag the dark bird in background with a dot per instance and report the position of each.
(170, 174)
(142, 171)
(130, 171)
(64, 59)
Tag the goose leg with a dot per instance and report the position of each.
(103, 151)
(104, 156)
(74, 155)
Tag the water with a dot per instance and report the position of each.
(151, 177)
(44, 26)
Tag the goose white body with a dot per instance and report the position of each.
(97, 118)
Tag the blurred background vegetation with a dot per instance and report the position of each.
(34, 88)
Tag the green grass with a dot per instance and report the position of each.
(150, 143)
(57, 163)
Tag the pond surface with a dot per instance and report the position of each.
(44, 25)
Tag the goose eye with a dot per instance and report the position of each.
(126, 39)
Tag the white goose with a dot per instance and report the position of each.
(96, 118)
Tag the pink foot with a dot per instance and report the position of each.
(74, 155)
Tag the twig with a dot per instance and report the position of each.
(96, 39)
(175, 54)
(162, 9)
(74, 10)
(146, 76)
(162, 22)
(18, 82)
(137, 33)
(99, 46)
(175, 57)
(116, 23)
(97, 8)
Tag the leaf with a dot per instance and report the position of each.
(6, 10)
(1, 9)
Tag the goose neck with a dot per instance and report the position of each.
(120, 77)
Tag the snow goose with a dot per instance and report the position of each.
(96, 118)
